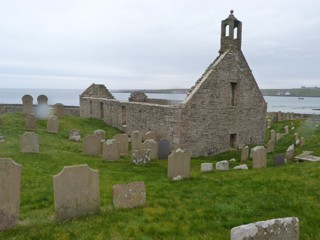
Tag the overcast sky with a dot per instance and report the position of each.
(138, 44)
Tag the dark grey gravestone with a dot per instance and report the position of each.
(279, 159)
(164, 149)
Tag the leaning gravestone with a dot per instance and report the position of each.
(92, 145)
(129, 195)
(244, 154)
(74, 135)
(150, 135)
(164, 149)
(136, 140)
(111, 150)
(153, 146)
(10, 185)
(76, 192)
(279, 159)
(123, 141)
(101, 134)
(29, 142)
(53, 124)
(259, 157)
(59, 110)
(274, 229)
(31, 121)
(179, 164)
(206, 167)
(27, 104)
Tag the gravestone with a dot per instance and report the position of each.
(42, 110)
(274, 229)
(101, 134)
(273, 135)
(123, 141)
(31, 121)
(27, 104)
(111, 150)
(279, 159)
(279, 116)
(153, 146)
(270, 146)
(241, 167)
(302, 141)
(141, 156)
(92, 145)
(245, 154)
(290, 152)
(29, 142)
(53, 124)
(259, 157)
(296, 138)
(129, 195)
(164, 149)
(150, 135)
(222, 165)
(278, 136)
(286, 129)
(136, 140)
(42, 99)
(179, 164)
(10, 186)
(206, 167)
(74, 135)
(76, 192)
(59, 110)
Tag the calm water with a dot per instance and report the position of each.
(71, 97)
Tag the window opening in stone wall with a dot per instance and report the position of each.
(123, 115)
(235, 32)
(91, 109)
(233, 93)
(101, 111)
(227, 30)
(233, 140)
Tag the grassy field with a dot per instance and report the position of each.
(206, 206)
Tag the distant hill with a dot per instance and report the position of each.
(295, 92)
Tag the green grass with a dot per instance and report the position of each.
(205, 206)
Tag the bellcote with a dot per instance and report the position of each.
(231, 30)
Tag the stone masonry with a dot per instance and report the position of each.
(224, 109)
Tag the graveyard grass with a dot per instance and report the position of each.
(205, 206)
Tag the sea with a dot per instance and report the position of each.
(70, 97)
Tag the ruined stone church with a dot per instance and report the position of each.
(223, 110)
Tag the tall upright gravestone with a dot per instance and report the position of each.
(53, 124)
(27, 104)
(179, 164)
(92, 145)
(136, 140)
(123, 141)
(259, 157)
(29, 142)
(10, 186)
(31, 121)
(76, 192)
(164, 149)
(59, 110)
(43, 110)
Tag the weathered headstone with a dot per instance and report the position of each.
(92, 145)
(278, 136)
(279, 116)
(302, 141)
(164, 149)
(279, 159)
(286, 129)
(206, 167)
(222, 165)
(150, 135)
(10, 185)
(136, 140)
(59, 110)
(123, 141)
(111, 150)
(31, 121)
(29, 142)
(290, 152)
(296, 138)
(153, 146)
(42, 99)
(76, 192)
(273, 135)
(244, 154)
(270, 146)
(141, 156)
(53, 124)
(27, 104)
(179, 164)
(259, 157)
(101, 134)
(241, 167)
(129, 195)
(74, 135)
(274, 229)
